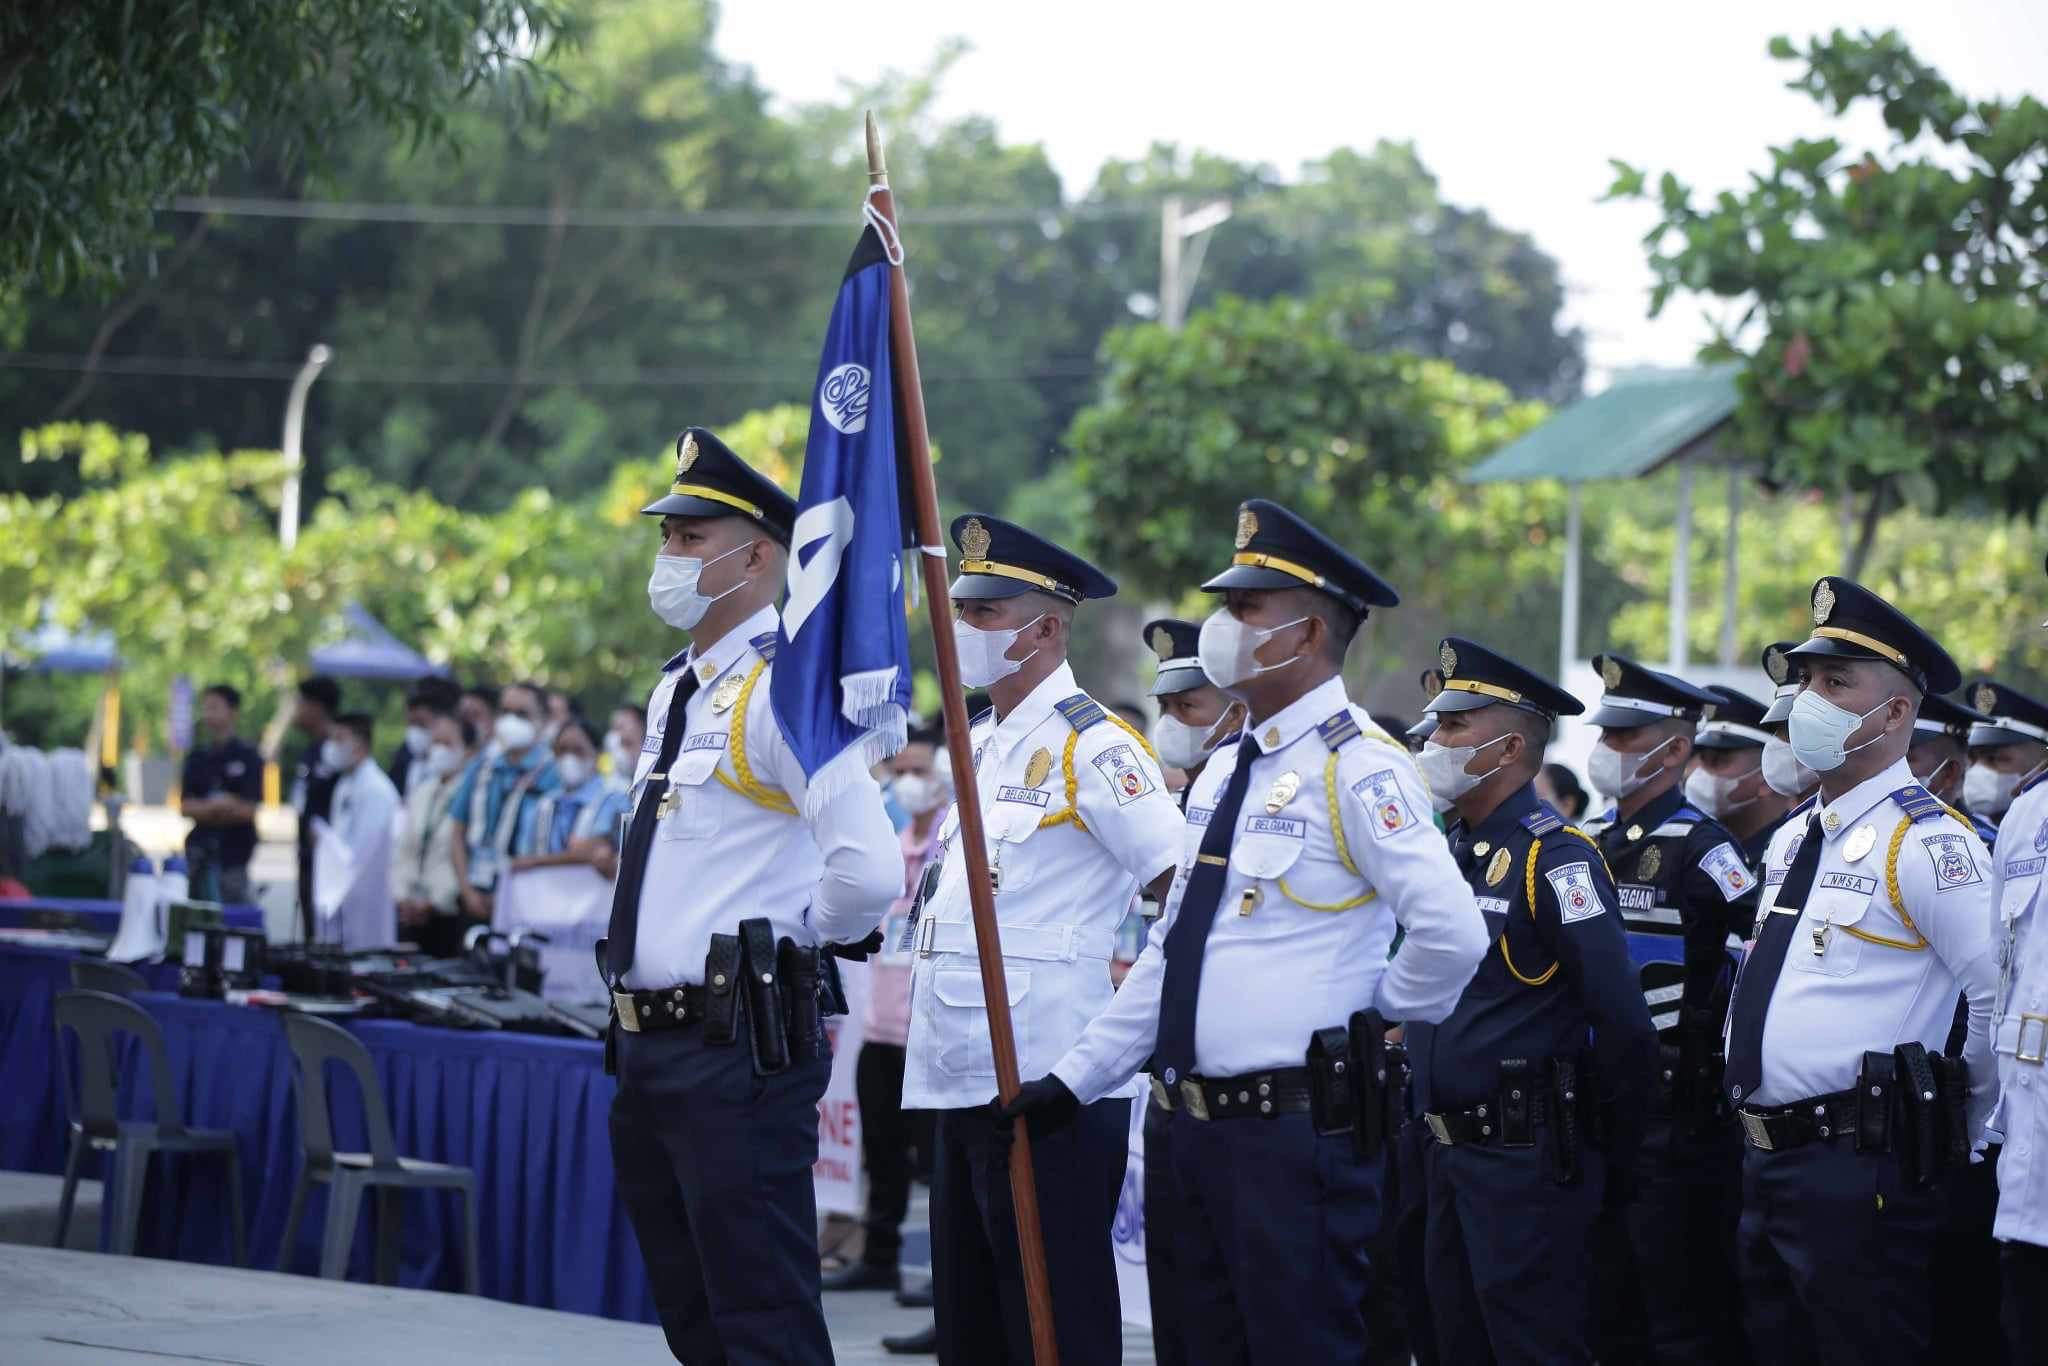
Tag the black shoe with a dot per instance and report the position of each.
(917, 1296)
(859, 1276)
(923, 1343)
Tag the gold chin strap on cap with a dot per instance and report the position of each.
(1870, 643)
(1011, 571)
(1259, 560)
(717, 496)
(744, 782)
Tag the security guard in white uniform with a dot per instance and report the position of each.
(1309, 844)
(2020, 1040)
(1875, 912)
(1077, 818)
(726, 888)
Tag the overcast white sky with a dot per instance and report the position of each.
(1516, 108)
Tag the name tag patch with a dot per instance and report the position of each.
(705, 739)
(1847, 882)
(1031, 796)
(1954, 865)
(1573, 886)
(1119, 767)
(2024, 867)
(1724, 864)
(652, 744)
(1636, 897)
(1380, 794)
(1497, 905)
(1276, 825)
(1199, 815)
(1774, 876)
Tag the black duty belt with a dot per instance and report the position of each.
(1256, 1095)
(1480, 1124)
(1819, 1119)
(669, 1008)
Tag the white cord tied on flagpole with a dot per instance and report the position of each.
(892, 245)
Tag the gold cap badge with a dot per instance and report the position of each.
(1823, 602)
(1448, 659)
(1498, 869)
(975, 540)
(1986, 698)
(686, 452)
(1162, 642)
(1776, 666)
(1610, 673)
(1247, 527)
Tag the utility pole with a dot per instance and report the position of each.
(294, 454)
(1183, 240)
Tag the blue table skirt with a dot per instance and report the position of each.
(95, 917)
(527, 1114)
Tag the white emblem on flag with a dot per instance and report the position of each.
(843, 398)
(1573, 886)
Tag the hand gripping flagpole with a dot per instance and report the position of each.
(981, 899)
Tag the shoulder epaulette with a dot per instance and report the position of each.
(1986, 831)
(2030, 784)
(765, 643)
(985, 714)
(1542, 821)
(1917, 802)
(1691, 813)
(1339, 730)
(1081, 710)
(675, 661)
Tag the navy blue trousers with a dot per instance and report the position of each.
(1506, 1254)
(1837, 1253)
(977, 1273)
(715, 1163)
(1681, 1240)
(1274, 1225)
(1162, 1240)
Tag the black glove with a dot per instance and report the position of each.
(1046, 1105)
(858, 951)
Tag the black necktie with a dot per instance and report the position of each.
(1759, 974)
(1174, 1049)
(625, 924)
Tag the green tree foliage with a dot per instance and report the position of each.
(1891, 327)
(109, 109)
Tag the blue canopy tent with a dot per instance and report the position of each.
(50, 648)
(367, 650)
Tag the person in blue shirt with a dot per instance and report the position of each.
(577, 823)
(496, 788)
(221, 788)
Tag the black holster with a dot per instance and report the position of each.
(831, 990)
(1874, 1102)
(723, 968)
(802, 985)
(1370, 1115)
(767, 1020)
(1517, 1104)
(1952, 1083)
(1922, 1128)
(1332, 1092)
(1565, 1136)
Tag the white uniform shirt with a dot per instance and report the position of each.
(1856, 995)
(721, 857)
(2021, 1023)
(1313, 947)
(1060, 893)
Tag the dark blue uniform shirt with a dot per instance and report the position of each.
(232, 768)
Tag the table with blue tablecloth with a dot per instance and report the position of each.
(95, 917)
(527, 1113)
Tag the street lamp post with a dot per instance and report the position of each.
(294, 454)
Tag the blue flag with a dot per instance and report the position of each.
(841, 685)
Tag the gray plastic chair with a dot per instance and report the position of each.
(97, 974)
(98, 1019)
(315, 1043)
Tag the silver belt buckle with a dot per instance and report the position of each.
(1440, 1130)
(927, 931)
(2039, 1024)
(1754, 1128)
(1192, 1099)
(622, 1007)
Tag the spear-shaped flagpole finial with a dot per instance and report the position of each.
(878, 174)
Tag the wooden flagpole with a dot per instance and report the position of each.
(981, 900)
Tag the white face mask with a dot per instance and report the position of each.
(417, 740)
(1227, 645)
(574, 770)
(513, 731)
(1783, 773)
(1821, 730)
(1615, 775)
(336, 755)
(984, 655)
(918, 793)
(1714, 793)
(1443, 768)
(1181, 745)
(616, 749)
(672, 587)
(441, 760)
(1988, 792)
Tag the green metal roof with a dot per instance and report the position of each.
(1642, 420)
